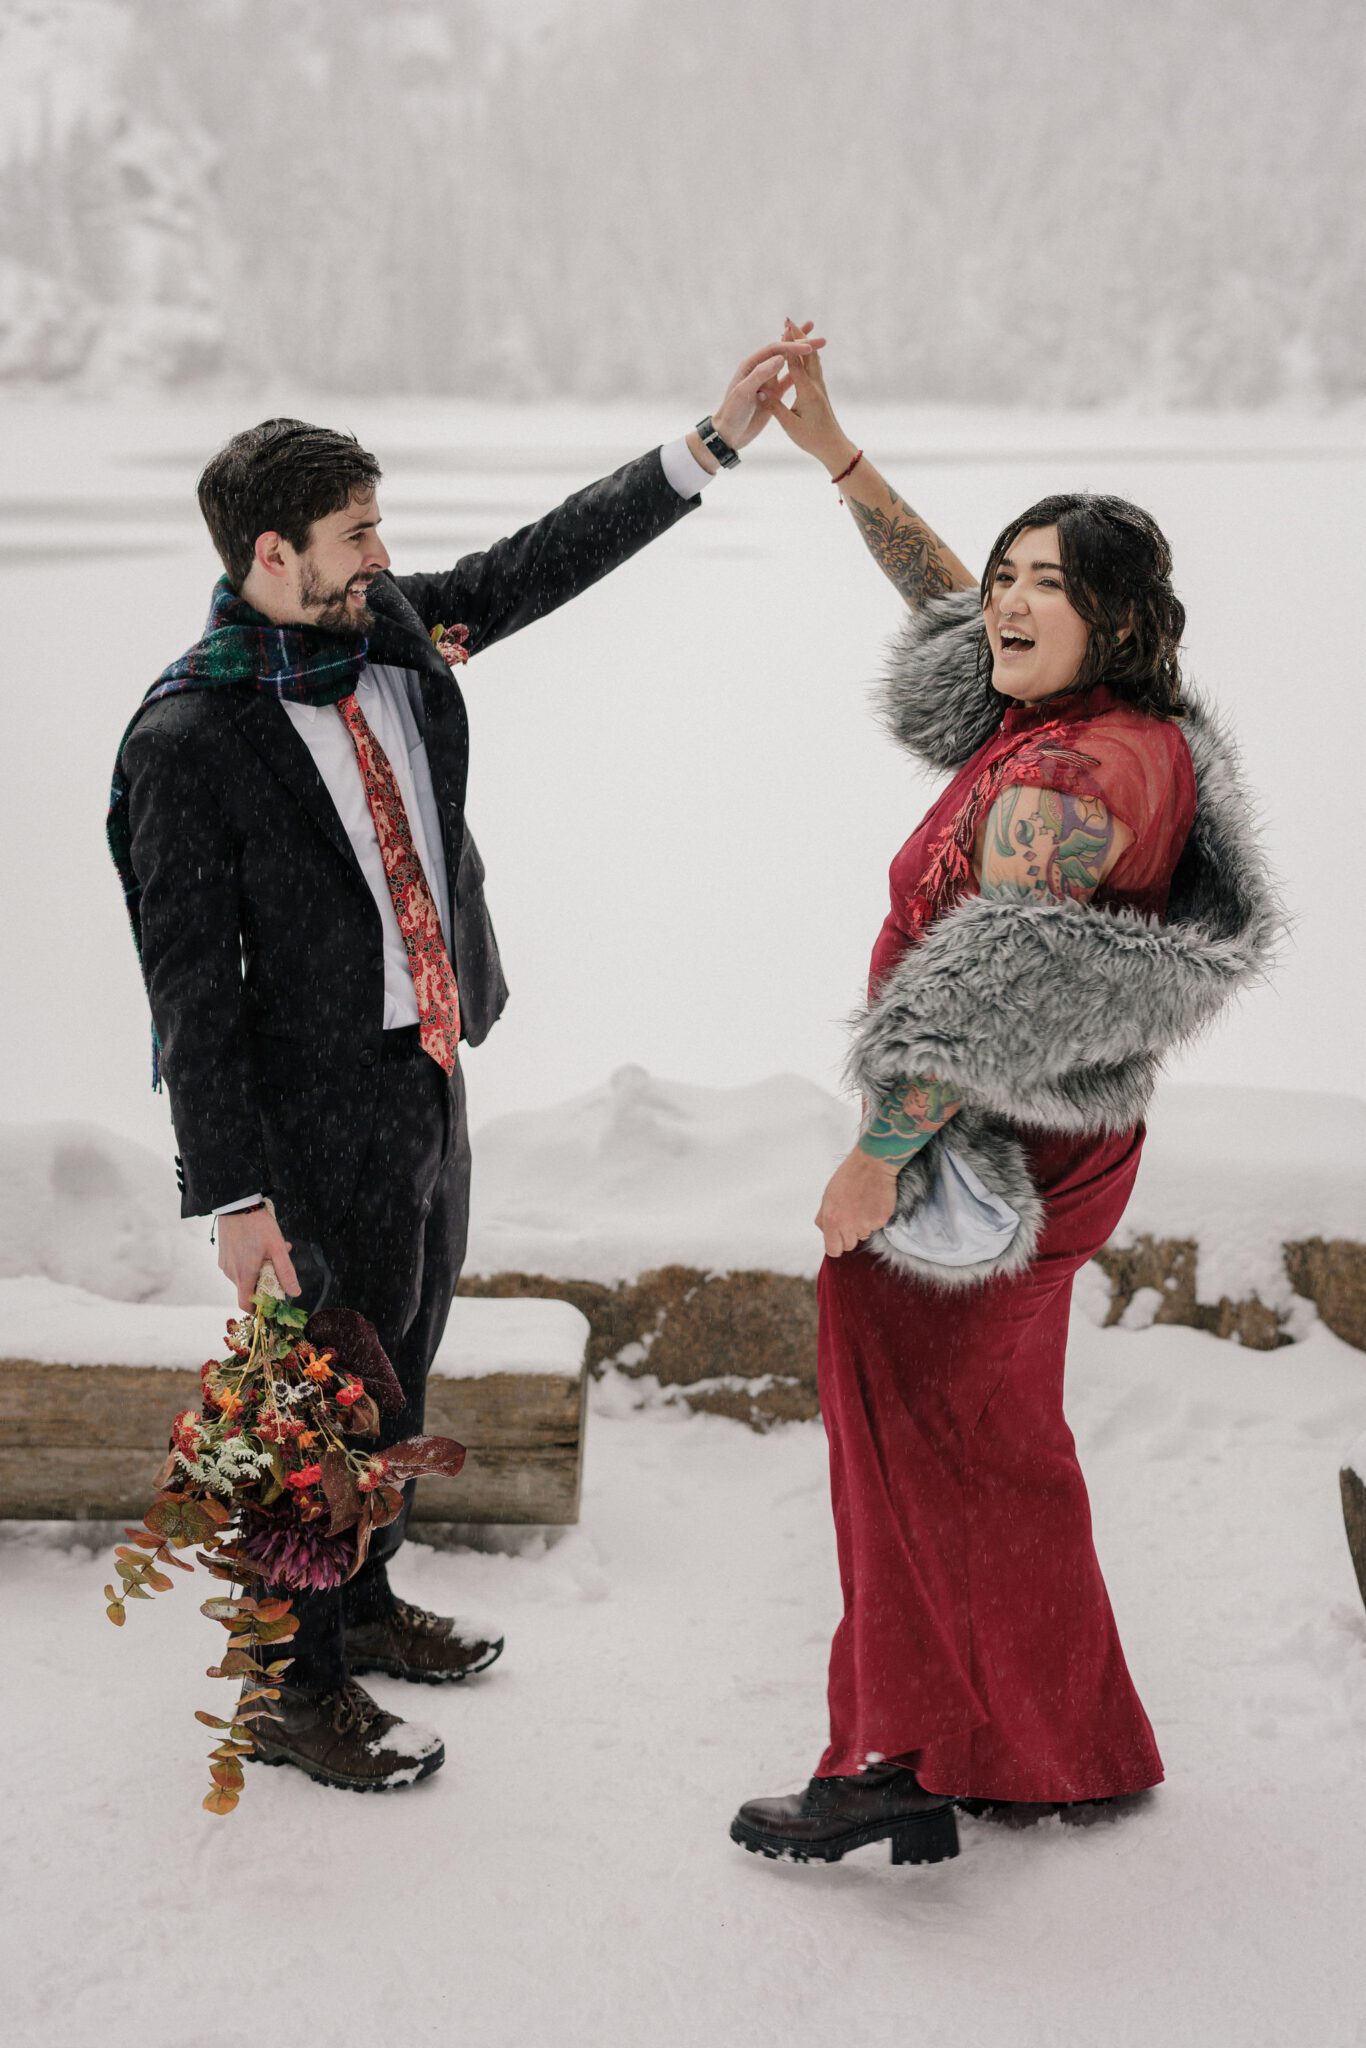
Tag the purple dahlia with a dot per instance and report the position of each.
(297, 1554)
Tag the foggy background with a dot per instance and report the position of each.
(992, 201)
(512, 244)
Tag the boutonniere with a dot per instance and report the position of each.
(450, 644)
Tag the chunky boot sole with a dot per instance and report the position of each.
(263, 1754)
(915, 1838)
(393, 1668)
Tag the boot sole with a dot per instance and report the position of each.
(392, 1668)
(920, 1838)
(413, 1772)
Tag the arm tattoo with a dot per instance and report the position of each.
(908, 1118)
(1044, 842)
(905, 549)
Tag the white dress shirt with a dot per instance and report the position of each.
(386, 697)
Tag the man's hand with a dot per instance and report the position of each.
(740, 415)
(860, 1198)
(246, 1239)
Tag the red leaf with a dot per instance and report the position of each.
(423, 1456)
(210, 1720)
(343, 1495)
(220, 1800)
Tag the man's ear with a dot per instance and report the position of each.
(271, 552)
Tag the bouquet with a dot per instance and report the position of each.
(273, 1481)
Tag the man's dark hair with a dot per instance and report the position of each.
(1117, 567)
(280, 478)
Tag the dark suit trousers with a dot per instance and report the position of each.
(395, 1256)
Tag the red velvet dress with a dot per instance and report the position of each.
(978, 1642)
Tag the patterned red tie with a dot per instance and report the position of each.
(438, 1003)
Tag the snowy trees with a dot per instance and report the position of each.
(984, 203)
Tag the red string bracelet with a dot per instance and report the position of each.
(848, 472)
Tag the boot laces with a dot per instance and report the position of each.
(419, 1620)
(354, 1709)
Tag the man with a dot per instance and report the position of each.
(288, 819)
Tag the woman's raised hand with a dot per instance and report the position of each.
(800, 403)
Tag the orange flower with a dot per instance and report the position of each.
(228, 1402)
(306, 1438)
(315, 1363)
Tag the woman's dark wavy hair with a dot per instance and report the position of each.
(1117, 567)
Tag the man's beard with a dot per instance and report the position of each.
(329, 609)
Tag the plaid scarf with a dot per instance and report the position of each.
(241, 649)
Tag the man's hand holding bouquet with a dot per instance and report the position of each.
(277, 1481)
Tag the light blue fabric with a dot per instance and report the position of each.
(959, 1223)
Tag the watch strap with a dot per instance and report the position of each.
(711, 440)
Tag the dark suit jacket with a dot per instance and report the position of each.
(261, 941)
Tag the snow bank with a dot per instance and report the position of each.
(90, 1210)
(60, 1325)
(646, 1173)
(1243, 1171)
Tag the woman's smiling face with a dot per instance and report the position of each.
(1038, 643)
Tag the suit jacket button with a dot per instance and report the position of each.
(369, 1056)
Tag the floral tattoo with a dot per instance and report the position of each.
(905, 549)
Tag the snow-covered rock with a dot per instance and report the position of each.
(87, 1209)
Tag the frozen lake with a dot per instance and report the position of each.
(685, 809)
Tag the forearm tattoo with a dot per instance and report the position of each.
(1043, 842)
(908, 1118)
(904, 548)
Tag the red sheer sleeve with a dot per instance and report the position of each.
(1139, 767)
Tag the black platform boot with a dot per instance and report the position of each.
(834, 1815)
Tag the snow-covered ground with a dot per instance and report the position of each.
(686, 810)
(567, 1882)
(687, 817)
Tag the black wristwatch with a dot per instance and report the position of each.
(710, 439)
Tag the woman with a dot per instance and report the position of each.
(1085, 893)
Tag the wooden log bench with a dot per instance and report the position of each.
(88, 1387)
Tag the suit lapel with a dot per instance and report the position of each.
(266, 725)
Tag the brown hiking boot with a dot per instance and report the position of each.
(346, 1738)
(410, 1643)
(834, 1815)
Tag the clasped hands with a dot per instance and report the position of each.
(754, 390)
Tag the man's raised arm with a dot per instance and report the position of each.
(534, 571)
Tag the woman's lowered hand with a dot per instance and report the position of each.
(860, 1198)
(800, 403)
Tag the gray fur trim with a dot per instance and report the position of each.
(931, 698)
(1058, 1015)
(997, 1156)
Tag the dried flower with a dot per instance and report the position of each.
(347, 1396)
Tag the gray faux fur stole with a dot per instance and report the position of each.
(1055, 1015)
